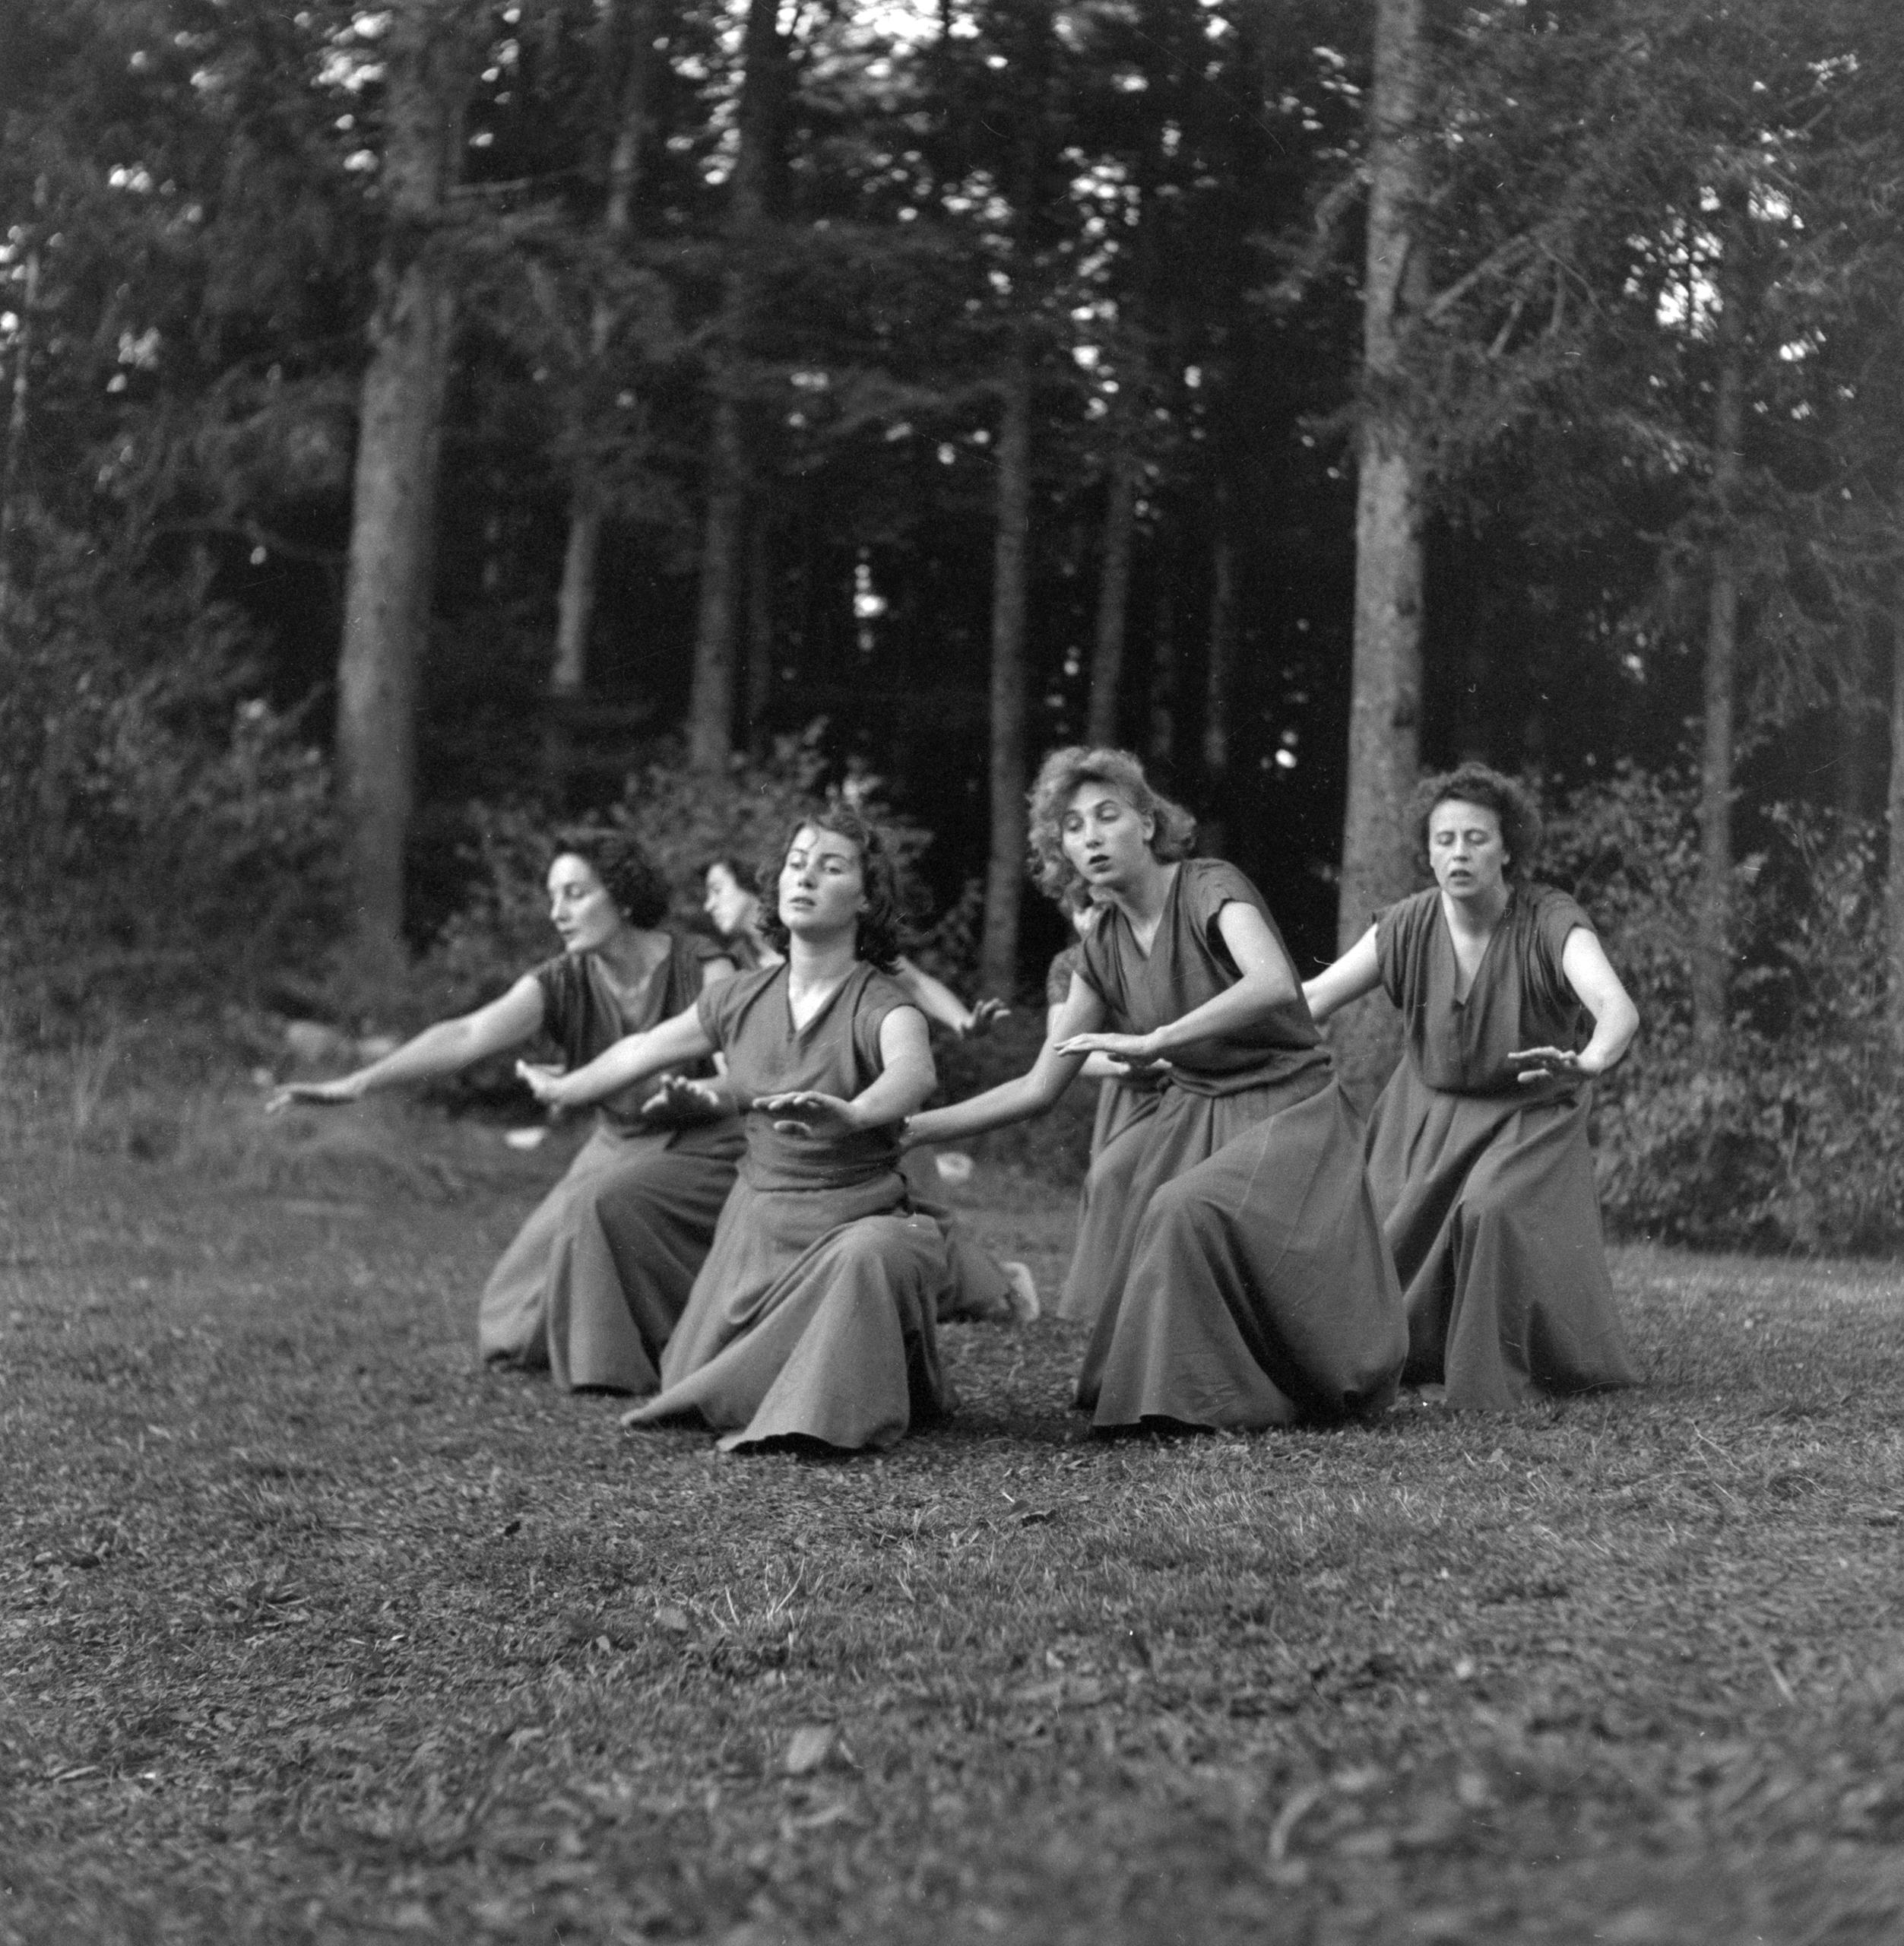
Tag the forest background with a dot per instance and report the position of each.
(428, 421)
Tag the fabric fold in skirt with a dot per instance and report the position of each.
(813, 1317)
(1491, 1214)
(593, 1283)
(1116, 1152)
(1259, 1291)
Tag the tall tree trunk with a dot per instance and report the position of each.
(1894, 821)
(1219, 688)
(387, 587)
(14, 463)
(1113, 592)
(1011, 547)
(760, 631)
(1712, 919)
(1385, 707)
(711, 706)
(1160, 746)
(626, 40)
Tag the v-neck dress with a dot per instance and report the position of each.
(1115, 1151)
(1485, 1183)
(976, 1291)
(813, 1316)
(593, 1283)
(1243, 1281)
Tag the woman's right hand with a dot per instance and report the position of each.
(543, 1082)
(316, 1094)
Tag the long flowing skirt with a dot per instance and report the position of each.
(1117, 1150)
(1489, 1209)
(813, 1316)
(1259, 1291)
(593, 1283)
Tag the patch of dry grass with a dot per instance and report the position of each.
(311, 1630)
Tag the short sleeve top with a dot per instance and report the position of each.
(1520, 997)
(1188, 964)
(750, 1019)
(1057, 976)
(584, 1012)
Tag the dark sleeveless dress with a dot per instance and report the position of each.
(1244, 1281)
(1114, 1150)
(813, 1316)
(1486, 1184)
(594, 1282)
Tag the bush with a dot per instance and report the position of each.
(1793, 1140)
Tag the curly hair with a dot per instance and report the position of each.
(1059, 777)
(882, 926)
(743, 872)
(1511, 801)
(627, 875)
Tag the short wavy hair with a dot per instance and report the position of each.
(1510, 800)
(1058, 778)
(628, 875)
(883, 926)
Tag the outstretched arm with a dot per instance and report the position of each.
(1032, 1092)
(906, 1077)
(1616, 1019)
(1357, 972)
(633, 1058)
(446, 1048)
(937, 1001)
(1265, 979)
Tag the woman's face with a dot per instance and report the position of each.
(579, 906)
(823, 883)
(728, 903)
(1465, 849)
(1107, 842)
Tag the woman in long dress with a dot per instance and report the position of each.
(980, 1289)
(593, 1283)
(1243, 1280)
(813, 1317)
(1477, 1148)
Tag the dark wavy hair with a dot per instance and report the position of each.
(1059, 777)
(884, 924)
(630, 880)
(1510, 801)
(744, 874)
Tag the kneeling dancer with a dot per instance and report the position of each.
(1242, 1276)
(1477, 1148)
(813, 1317)
(594, 1280)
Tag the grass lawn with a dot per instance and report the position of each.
(311, 1630)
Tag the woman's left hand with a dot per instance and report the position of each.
(819, 1117)
(1137, 1049)
(1540, 1064)
(681, 1103)
(984, 1017)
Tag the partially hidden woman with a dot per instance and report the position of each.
(1477, 1148)
(594, 1281)
(813, 1317)
(1242, 1279)
(980, 1289)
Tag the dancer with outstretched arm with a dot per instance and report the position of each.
(1243, 1281)
(812, 1318)
(1478, 1150)
(592, 1284)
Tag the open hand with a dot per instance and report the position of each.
(1135, 1049)
(680, 1103)
(315, 1094)
(1538, 1064)
(818, 1117)
(984, 1017)
(543, 1082)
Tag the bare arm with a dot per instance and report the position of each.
(1031, 1093)
(1265, 979)
(446, 1048)
(633, 1058)
(1357, 972)
(1616, 1019)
